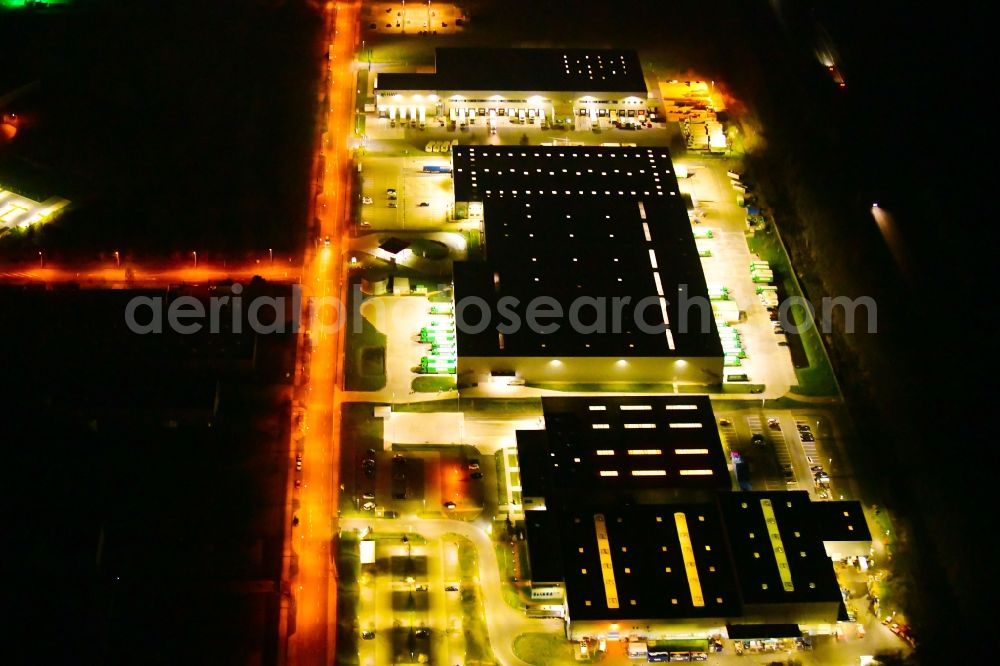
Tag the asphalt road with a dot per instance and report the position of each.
(311, 633)
(135, 276)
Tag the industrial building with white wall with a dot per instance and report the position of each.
(601, 235)
(633, 531)
(595, 86)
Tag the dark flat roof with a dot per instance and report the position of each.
(756, 558)
(394, 245)
(752, 631)
(570, 222)
(650, 578)
(534, 463)
(621, 445)
(544, 557)
(496, 69)
(841, 521)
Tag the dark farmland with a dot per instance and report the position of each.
(173, 126)
(147, 482)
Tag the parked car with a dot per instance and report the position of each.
(366, 200)
(368, 634)
(449, 505)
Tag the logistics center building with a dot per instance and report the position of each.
(664, 553)
(601, 236)
(520, 85)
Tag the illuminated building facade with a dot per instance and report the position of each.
(521, 86)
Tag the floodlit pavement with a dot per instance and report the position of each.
(405, 175)
(486, 433)
(444, 612)
(766, 363)
(400, 319)
(397, 18)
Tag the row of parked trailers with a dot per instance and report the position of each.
(760, 272)
(727, 312)
(439, 333)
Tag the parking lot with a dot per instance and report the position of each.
(396, 18)
(728, 266)
(581, 131)
(403, 196)
(785, 449)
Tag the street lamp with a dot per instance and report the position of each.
(270, 254)
(195, 253)
(118, 260)
(41, 261)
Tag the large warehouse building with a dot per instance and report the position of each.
(597, 86)
(642, 450)
(625, 538)
(601, 237)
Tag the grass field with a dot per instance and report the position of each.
(817, 379)
(477, 643)
(364, 368)
(544, 649)
(431, 384)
